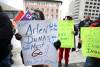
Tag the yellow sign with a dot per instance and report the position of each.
(65, 33)
(90, 37)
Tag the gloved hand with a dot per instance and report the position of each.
(18, 36)
(57, 44)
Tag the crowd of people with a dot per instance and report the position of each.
(7, 31)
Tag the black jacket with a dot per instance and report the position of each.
(6, 34)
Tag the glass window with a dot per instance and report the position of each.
(87, 2)
(86, 6)
(89, 13)
(90, 7)
(93, 10)
(56, 10)
(92, 13)
(85, 13)
(52, 10)
(96, 14)
(94, 7)
(98, 4)
(97, 10)
(90, 10)
(86, 9)
(91, 3)
(94, 3)
(97, 7)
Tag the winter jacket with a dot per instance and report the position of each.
(6, 34)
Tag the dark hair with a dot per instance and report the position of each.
(1, 10)
(69, 17)
(41, 14)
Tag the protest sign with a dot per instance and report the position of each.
(37, 43)
(66, 33)
(90, 41)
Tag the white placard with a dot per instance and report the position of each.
(37, 42)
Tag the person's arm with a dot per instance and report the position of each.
(57, 44)
(76, 30)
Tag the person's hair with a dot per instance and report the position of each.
(1, 10)
(69, 17)
(41, 14)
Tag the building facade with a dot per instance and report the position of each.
(82, 8)
(50, 8)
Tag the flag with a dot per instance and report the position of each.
(27, 16)
(19, 16)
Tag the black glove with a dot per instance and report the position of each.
(73, 49)
(57, 44)
(18, 36)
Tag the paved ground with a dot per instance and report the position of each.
(76, 59)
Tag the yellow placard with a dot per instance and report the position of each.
(65, 33)
(90, 37)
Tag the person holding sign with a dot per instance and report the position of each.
(84, 23)
(6, 34)
(90, 60)
(67, 49)
(38, 50)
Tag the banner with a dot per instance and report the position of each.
(37, 43)
(90, 41)
(66, 33)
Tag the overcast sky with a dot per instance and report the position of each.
(65, 8)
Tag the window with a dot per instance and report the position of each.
(89, 10)
(94, 7)
(92, 13)
(52, 10)
(56, 10)
(91, 3)
(86, 6)
(93, 10)
(87, 2)
(86, 9)
(85, 13)
(89, 13)
(97, 10)
(90, 7)
(98, 4)
(94, 3)
(97, 7)
(96, 14)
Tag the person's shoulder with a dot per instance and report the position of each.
(4, 15)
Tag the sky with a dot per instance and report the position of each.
(13, 3)
(65, 8)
